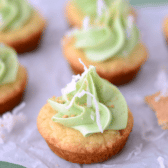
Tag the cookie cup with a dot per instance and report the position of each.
(27, 38)
(116, 70)
(72, 146)
(75, 17)
(11, 94)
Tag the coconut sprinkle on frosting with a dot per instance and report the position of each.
(9, 120)
(72, 86)
(130, 24)
(86, 23)
(100, 7)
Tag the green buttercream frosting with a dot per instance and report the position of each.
(8, 65)
(14, 14)
(92, 106)
(112, 34)
(90, 7)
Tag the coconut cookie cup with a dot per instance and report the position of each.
(89, 123)
(13, 79)
(117, 71)
(22, 31)
(111, 43)
(75, 15)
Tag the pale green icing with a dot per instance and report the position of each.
(89, 7)
(85, 119)
(110, 35)
(14, 14)
(8, 65)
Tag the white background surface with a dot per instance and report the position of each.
(49, 72)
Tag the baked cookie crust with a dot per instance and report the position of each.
(72, 146)
(11, 94)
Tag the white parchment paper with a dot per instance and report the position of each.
(49, 72)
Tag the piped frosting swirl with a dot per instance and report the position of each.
(8, 65)
(90, 105)
(14, 14)
(111, 35)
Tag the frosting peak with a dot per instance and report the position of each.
(91, 105)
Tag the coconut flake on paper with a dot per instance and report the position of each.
(9, 120)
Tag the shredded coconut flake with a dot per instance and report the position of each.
(85, 68)
(129, 25)
(161, 162)
(100, 7)
(86, 23)
(92, 117)
(71, 86)
(135, 152)
(9, 120)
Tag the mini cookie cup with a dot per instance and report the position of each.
(72, 146)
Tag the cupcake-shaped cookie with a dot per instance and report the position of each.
(13, 79)
(21, 26)
(89, 123)
(77, 10)
(112, 44)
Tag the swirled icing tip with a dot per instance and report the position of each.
(82, 93)
(72, 85)
(86, 23)
(162, 85)
(100, 7)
